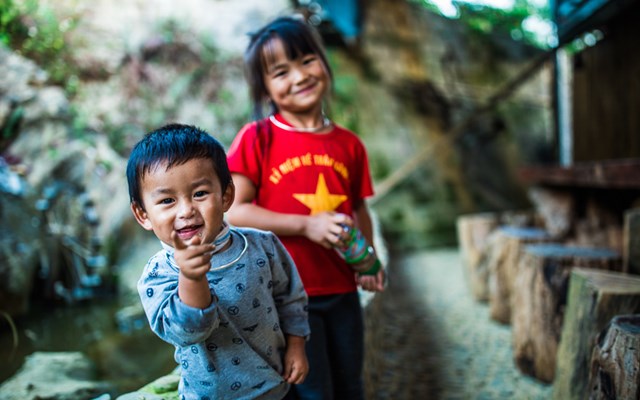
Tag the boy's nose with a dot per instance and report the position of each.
(186, 210)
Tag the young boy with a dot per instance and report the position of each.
(230, 300)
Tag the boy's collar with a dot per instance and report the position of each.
(229, 256)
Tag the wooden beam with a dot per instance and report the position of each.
(609, 174)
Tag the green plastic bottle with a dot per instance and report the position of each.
(358, 253)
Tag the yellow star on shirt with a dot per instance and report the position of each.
(321, 200)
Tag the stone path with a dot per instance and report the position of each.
(428, 339)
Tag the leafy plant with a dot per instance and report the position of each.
(35, 31)
(484, 19)
(10, 23)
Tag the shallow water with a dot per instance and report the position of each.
(128, 358)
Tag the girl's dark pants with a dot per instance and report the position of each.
(335, 349)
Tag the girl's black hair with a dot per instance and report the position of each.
(298, 38)
(174, 144)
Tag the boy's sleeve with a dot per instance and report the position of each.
(288, 292)
(169, 318)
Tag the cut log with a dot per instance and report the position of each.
(594, 298)
(539, 301)
(631, 241)
(503, 257)
(474, 231)
(615, 362)
(473, 236)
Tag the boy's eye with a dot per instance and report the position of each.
(200, 193)
(166, 201)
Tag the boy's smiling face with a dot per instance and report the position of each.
(186, 198)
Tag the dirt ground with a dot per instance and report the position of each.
(428, 339)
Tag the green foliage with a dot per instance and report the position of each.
(35, 31)
(487, 19)
(380, 167)
(10, 128)
(10, 24)
(583, 42)
(343, 102)
(484, 20)
(344, 96)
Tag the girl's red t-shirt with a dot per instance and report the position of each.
(305, 173)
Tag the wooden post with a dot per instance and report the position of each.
(594, 298)
(615, 363)
(631, 241)
(540, 298)
(503, 264)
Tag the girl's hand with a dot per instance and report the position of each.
(326, 228)
(372, 283)
(193, 258)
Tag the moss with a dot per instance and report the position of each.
(166, 386)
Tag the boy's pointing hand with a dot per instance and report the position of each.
(193, 258)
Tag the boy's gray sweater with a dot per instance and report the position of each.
(234, 348)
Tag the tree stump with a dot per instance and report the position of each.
(473, 235)
(474, 231)
(540, 296)
(594, 298)
(503, 259)
(615, 363)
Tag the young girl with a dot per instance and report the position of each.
(305, 178)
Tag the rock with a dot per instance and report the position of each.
(59, 376)
(20, 243)
(39, 141)
(142, 396)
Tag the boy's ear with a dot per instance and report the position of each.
(141, 216)
(228, 196)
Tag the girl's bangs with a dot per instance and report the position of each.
(295, 45)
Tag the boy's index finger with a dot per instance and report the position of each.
(178, 244)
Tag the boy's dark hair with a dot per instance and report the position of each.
(298, 38)
(174, 144)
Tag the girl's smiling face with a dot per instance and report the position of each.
(185, 198)
(295, 86)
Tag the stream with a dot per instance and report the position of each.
(128, 356)
(110, 328)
